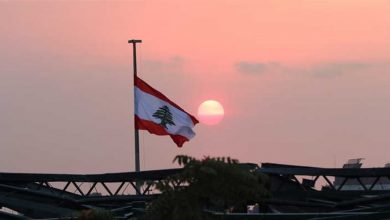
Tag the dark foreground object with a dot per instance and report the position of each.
(297, 193)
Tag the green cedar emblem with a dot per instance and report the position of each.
(165, 115)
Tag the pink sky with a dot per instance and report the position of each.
(302, 82)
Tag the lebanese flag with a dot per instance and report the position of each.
(157, 114)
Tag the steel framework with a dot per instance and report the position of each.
(298, 192)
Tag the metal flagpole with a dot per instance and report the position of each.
(136, 134)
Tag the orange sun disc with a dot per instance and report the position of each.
(210, 112)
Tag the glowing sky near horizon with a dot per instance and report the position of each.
(306, 78)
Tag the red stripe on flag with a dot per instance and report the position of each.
(154, 128)
(142, 85)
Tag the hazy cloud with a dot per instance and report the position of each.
(255, 67)
(172, 65)
(320, 70)
(329, 70)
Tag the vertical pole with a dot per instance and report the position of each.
(136, 134)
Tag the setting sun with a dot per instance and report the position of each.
(210, 112)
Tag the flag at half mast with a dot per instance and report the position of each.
(157, 114)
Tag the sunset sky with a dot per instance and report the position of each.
(301, 82)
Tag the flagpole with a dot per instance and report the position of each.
(136, 134)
